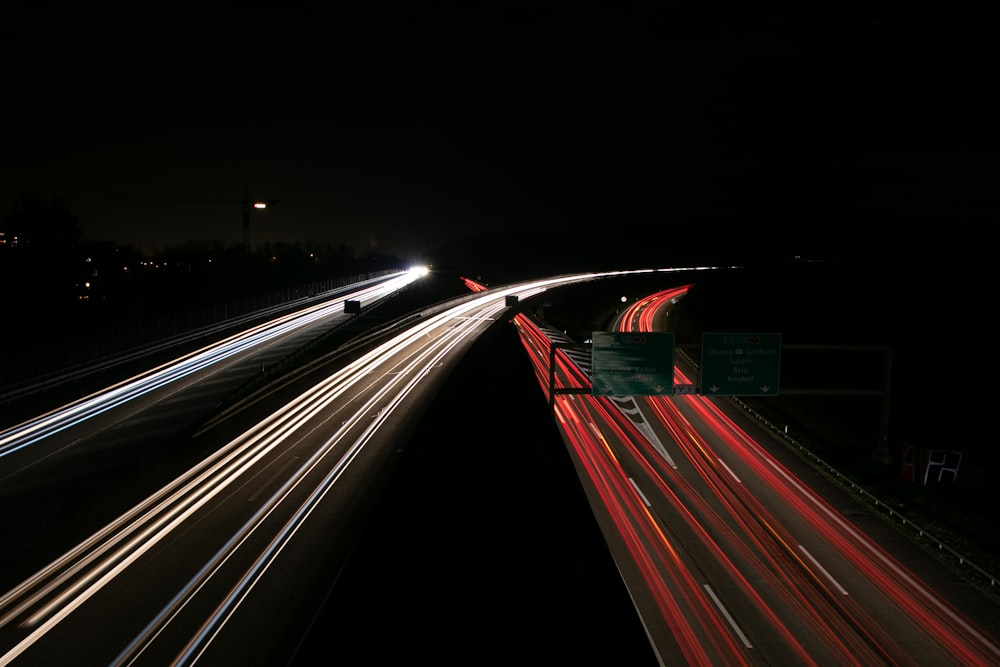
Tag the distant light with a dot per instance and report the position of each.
(419, 270)
(260, 204)
(624, 299)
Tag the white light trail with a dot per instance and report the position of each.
(30, 432)
(59, 589)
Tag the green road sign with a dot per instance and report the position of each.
(632, 364)
(740, 364)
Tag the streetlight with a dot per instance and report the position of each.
(247, 205)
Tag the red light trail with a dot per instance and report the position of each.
(741, 561)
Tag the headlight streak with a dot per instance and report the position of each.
(172, 511)
(176, 508)
(228, 607)
(418, 368)
(67, 583)
(28, 433)
(233, 459)
(220, 463)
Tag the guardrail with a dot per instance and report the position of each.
(70, 372)
(316, 352)
(932, 543)
(924, 537)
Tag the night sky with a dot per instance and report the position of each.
(647, 136)
(766, 131)
(617, 139)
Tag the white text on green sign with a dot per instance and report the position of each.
(632, 364)
(740, 364)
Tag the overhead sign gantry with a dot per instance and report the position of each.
(632, 364)
(740, 364)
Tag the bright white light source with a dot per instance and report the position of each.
(419, 270)
(260, 204)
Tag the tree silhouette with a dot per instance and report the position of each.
(41, 262)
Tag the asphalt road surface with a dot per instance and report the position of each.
(483, 549)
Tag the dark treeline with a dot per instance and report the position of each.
(57, 285)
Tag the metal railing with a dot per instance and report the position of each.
(74, 360)
(933, 543)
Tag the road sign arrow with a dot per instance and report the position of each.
(732, 362)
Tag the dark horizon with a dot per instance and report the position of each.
(838, 172)
(753, 144)
(408, 155)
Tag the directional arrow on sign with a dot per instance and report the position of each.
(627, 364)
(731, 363)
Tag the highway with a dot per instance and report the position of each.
(216, 369)
(728, 554)
(220, 564)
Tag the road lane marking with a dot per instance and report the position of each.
(730, 471)
(729, 619)
(639, 491)
(822, 569)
